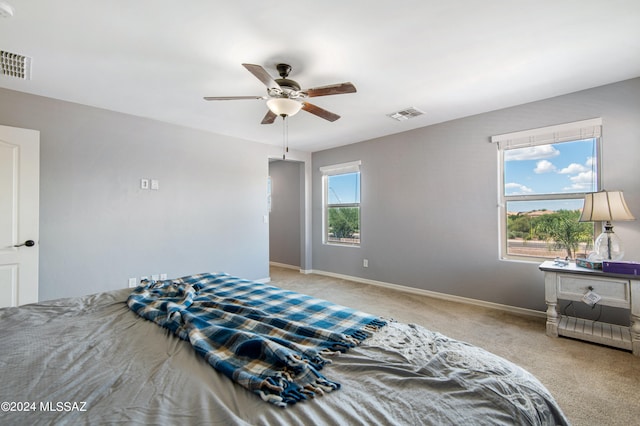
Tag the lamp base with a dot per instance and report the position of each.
(608, 246)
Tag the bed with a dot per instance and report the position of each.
(99, 360)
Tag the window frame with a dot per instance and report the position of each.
(569, 132)
(335, 170)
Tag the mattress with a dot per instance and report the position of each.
(91, 360)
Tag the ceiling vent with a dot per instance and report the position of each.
(406, 114)
(14, 65)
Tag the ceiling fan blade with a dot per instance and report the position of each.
(262, 75)
(320, 112)
(232, 98)
(269, 117)
(332, 89)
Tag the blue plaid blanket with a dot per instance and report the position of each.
(273, 342)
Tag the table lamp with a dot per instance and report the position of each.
(606, 206)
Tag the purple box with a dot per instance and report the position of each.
(620, 267)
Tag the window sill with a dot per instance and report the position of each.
(522, 259)
(341, 245)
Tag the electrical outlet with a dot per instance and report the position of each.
(163, 276)
(365, 263)
(133, 282)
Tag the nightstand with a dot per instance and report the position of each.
(572, 282)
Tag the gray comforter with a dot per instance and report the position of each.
(90, 360)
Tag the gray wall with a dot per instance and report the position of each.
(429, 198)
(98, 228)
(429, 216)
(287, 179)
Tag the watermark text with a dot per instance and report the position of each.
(55, 406)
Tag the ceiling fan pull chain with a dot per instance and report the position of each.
(284, 136)
(286, 123)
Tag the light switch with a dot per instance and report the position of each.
(155, 184)
(144, 183)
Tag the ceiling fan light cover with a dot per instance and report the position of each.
(284, 106)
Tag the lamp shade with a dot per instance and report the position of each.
(284, 106)
(605, 206)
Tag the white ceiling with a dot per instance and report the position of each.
(450, 59)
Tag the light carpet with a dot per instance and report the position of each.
(594, 385)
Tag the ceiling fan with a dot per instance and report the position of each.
(284, 96)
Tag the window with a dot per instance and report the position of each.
(341, 203)
(544, 176)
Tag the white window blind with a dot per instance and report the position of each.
(338, 169)
(577, 130)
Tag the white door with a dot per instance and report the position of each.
(19, 215)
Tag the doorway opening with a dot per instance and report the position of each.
(287, 213)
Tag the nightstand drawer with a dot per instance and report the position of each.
(614, 292)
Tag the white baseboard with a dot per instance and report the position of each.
(297, 268)
(436, 295)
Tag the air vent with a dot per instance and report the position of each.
(406, 114)
(14, 65)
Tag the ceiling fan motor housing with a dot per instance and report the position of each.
(283, 81)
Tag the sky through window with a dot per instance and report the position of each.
(558, 168)
(344, 188)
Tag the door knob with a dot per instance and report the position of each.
(28, 243)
